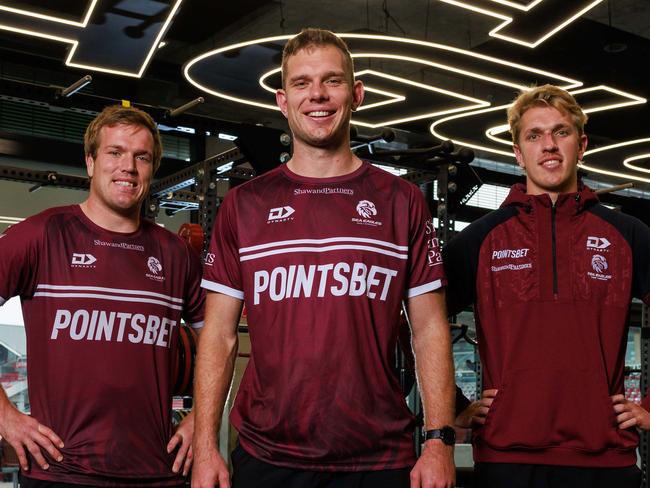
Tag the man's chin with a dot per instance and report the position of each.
(329, 141)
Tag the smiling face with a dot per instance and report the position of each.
(318, 98)
(121, 171)
(549, 148)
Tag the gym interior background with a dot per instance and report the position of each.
(434, 70)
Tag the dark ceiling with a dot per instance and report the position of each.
(606, 46)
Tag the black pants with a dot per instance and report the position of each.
(503, 475)
(249, 472)
(26, 482)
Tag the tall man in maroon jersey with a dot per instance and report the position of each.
(103, 293)
(322, 251)
(551, 275)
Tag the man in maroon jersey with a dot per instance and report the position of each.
(322, 251)
(103, 293)
(551, 274)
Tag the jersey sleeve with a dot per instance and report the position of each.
(221, 269)
(19, 253)
(426, 272)
(194, 294)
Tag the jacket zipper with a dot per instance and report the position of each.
(554, 250)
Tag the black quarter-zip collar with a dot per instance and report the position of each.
(566, 206)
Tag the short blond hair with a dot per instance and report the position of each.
(549, 96)
(120, 115)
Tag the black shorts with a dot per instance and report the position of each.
(250, 472)
(26, 482)
(505, 475)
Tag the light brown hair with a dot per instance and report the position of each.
(120, 115)
(313, 37)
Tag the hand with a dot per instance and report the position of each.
(435, 467)
(183, 437)
(210, 470)
(476, 412)
(629, 414)
(25, 433)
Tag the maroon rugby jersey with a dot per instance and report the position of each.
(322, 265)
(102, 311)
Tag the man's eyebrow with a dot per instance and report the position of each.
(561, 125)
(329, 74)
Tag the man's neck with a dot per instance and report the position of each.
(110, 220)
(316, 162)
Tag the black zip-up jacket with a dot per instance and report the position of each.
(551, 286)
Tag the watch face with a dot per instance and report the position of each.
(446, 434)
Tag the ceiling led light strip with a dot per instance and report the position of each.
(75, 42)
(50, 18)
(634, 100)
(476, 103)
(628, 162)
(614, 173)
(394, 97)
(562, 81)
(508, 19)
(518, 6)
(471, 144)
(492, 132)
(152, 50)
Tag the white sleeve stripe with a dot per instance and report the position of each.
(2, 301)
(196, 325)
(219, 288)
(426, 288)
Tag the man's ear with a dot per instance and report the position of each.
(281, 100)
(583, 146)
(519, 156)
(357, 94)
(90, 165)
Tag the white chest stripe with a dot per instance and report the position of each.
(121, 291)
(103, 293)
(287, 250)
(329, 240)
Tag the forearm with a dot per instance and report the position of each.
(435, 378)
(433, 360)
(214, 370)
(5, 407)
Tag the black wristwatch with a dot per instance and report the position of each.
(446, 434)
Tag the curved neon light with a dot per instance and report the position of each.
(565, 81)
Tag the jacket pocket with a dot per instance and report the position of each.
(543, 408)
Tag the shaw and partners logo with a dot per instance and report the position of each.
(280, 214)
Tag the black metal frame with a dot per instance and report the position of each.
(644, 443)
